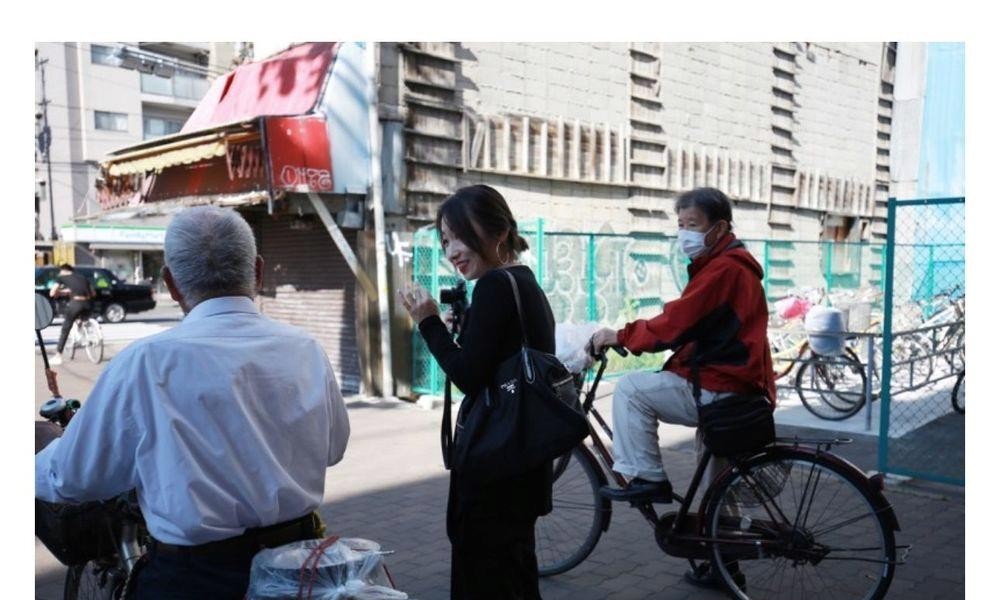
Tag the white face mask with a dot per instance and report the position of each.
(692, 242)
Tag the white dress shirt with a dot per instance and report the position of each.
(225, 422)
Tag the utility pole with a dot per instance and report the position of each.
(45, 143)
(375, 134)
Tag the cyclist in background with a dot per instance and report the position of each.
(80, 292)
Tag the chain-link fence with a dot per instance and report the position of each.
(922, 431)
(613, 279)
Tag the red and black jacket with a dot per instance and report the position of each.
(719, 324)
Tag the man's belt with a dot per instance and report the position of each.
(250, 541)
(79, 298)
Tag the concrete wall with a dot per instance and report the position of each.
(718, 95)
(715, 95)
(585, 81)
(839, 97)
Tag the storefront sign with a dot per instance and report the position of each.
(299, 150)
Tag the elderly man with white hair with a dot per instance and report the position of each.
(224, 425)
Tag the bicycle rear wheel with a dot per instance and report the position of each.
(566, 536)
(93, 340)
(798, 525)
(93, 581)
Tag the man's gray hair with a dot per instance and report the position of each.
(211, 252)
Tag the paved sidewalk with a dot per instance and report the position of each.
(391, 488)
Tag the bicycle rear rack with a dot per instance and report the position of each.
(825, 443)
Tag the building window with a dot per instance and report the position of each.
(103, 55)
(183, 84)
(154, 127)
(110, 121)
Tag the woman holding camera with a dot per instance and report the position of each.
(491, 525)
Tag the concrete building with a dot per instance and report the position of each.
(99, 97)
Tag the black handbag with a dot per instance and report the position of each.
(529, 414)
(733, 424)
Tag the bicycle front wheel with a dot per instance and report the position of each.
(799, 525)
(92, 581)
(566, 536)
(93, 341)
(958, 394)
(832, 388)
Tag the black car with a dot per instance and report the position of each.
(114, 298)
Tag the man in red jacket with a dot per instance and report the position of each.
(719, 322)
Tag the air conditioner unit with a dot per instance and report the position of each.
(127, 59)
(146, 66)
(164, 69)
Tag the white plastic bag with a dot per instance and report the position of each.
(571, 345)
(348, 569)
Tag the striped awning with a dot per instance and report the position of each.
(193, 151)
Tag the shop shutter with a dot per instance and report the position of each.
(308, 284)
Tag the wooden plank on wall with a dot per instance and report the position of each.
(488, 144)
(622, 175)
(592, 152)
(689, 178)
(714, 170)
(725, 173)
(606, 175)
(543, 167)
(560, 169)
(525, 145)
(678, 182)
(574, 156)
(505, 145)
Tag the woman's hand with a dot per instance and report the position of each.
(418, 302)
(601, 339)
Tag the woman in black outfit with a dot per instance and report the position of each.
(491, 526)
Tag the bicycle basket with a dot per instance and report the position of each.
(75, 533)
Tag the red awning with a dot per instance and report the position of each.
(289, 83)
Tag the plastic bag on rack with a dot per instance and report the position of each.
(571, 345)
(792, 307)
(331, 569)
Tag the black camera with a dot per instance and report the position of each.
(457, 299)
(454, 295)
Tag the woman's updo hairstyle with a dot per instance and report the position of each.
(486, 207)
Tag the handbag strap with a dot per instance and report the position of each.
(447, 439)
(517, 302)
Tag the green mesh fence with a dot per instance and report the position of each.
(922, 430)
(613, 279)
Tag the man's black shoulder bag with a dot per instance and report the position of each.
(735, 423)
(529, 414)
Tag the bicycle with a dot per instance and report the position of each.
(86, 334)
(793, 516)
(119, 531)
(831, 388)
(958, 393)
(104, 577)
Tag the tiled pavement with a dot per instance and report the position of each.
(391, 488)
